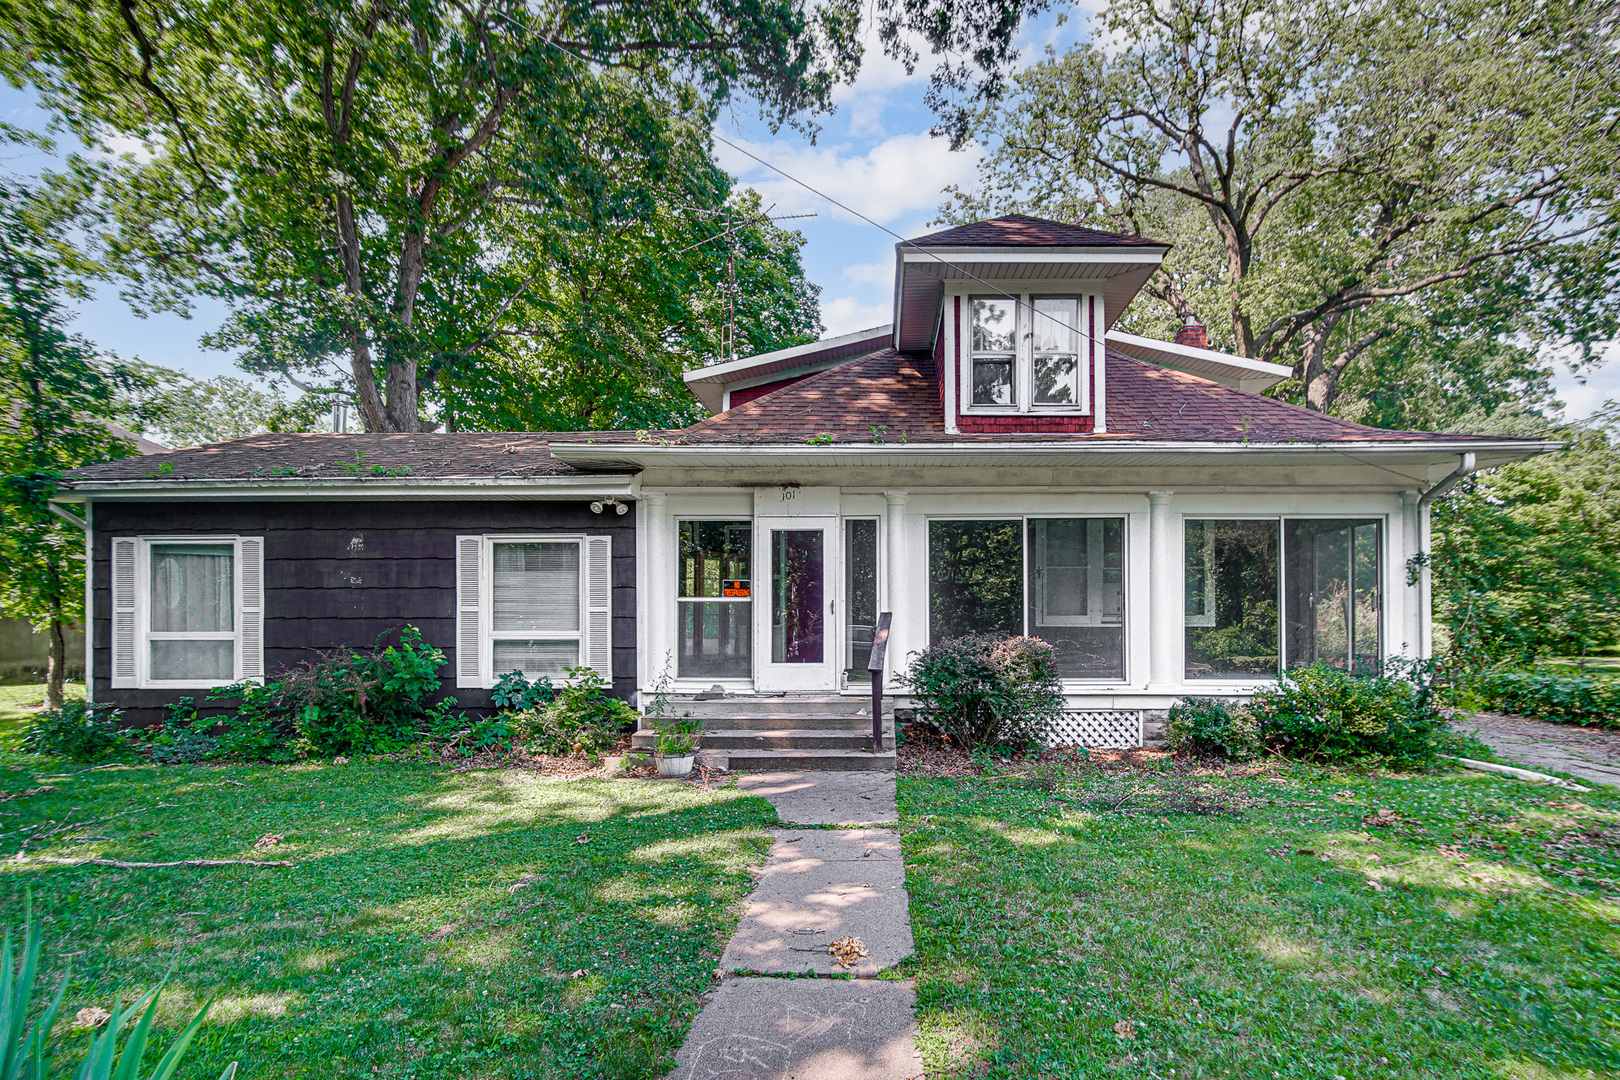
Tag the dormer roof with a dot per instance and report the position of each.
(1006, 250)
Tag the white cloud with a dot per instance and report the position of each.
(846, 314)
(879, 275)
(900, 175)
(1586, 394)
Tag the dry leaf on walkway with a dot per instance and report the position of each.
(847, 950)
(268, 840)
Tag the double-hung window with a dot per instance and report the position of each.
(187, 612)
(536, 605)
(1029, 354)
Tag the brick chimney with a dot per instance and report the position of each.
(1193, 333)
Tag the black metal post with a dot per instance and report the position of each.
(874, 666)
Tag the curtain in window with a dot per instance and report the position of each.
(192, 592)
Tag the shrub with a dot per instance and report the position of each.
(78, 731)
(1568, 699)
(582, 718)
(345, 702)
(514, 693)
(1326, 715)
(183, 737)
(980, 690)
(1215, 728)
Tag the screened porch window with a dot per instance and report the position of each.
(1058, 579)
(191, 606)
(715, 610)
(1266, 595)
(535, 608)
(860, 595)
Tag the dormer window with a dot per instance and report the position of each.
(1027, 355)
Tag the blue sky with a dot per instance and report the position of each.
(873, 154)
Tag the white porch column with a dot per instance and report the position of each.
(894, 579)
(1164, 593)
(1411, 593)
(658, 588)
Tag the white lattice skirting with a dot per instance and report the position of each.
(1104, 729)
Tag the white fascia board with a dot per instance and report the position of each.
(1034, 256)
(732, 370)
(536, 488)
(888, 453)
(1196, 361)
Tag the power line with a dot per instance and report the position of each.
(697, 129)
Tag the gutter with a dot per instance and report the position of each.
(1467, 466)
(622, 486)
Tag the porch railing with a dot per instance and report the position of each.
(874, 664)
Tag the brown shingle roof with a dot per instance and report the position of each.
(1025, 231)
(888, 388)
(436, 456)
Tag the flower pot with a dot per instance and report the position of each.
(675, 765)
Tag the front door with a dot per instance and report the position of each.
(796, 643)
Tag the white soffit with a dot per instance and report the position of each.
(710, 383)
(1235, 371)
(922, 271)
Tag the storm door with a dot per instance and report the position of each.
(796, 642)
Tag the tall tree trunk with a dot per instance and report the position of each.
(56, 666)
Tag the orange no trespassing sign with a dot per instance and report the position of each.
(734, 588)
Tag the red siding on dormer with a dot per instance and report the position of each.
(747, 394)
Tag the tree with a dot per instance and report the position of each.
(1526, 559)
(58, 393)
(1335, 178)
(177, 409)
(399, 186)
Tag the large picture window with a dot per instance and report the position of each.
(1265, 595)
(1059, 579)
(714, 604)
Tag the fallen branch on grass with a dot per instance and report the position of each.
(1518, 774)
(122, 865)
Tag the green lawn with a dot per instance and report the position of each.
(434, 925)
(1477, 936)
(19, 703)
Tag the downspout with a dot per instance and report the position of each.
(89, 589)
(1467, 465)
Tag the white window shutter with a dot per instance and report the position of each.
(123, 611)
(469, 628)
(599, 605)
(250, 620)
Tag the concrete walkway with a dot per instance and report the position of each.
(817, 886)
(1588, 753)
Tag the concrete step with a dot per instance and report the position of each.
(774, 723)
(785, 706)
(794, 738)
(809, 760)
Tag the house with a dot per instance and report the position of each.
(999, 459)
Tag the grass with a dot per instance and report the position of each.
(19, 703)
(1477, 936)
(485, 924)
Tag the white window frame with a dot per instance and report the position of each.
(486, 603)
(1280, 520)
(1078, 682)
(1023, 357)
(145, 635)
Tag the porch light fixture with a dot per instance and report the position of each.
(602, 504)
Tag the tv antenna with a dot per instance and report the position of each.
(734, 224)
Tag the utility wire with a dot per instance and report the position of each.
(700, 130)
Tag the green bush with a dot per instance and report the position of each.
(1213, 728)
(983, 691)
(78, 731)
(1322, 714)
(183, 737)
(582, 718)
(346, 702)
(514, 693)
(1569, 699)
